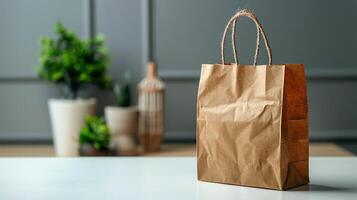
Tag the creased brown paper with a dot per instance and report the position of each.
(252, 126)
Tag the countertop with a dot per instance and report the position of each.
(157, 178)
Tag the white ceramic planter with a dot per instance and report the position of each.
(67, 119)
(123, 125)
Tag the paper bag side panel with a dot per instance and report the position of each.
(295, 139)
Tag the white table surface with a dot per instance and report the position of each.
(156, 178)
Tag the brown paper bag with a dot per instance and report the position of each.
(252, 126)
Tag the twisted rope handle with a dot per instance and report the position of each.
(260, 31)
(234, 44)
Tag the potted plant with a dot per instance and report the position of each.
(72, 64)
(94, 138)
(122, 119)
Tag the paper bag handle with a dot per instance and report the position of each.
(233, 39)
(260, 31)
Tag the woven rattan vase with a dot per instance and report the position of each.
(151, 110)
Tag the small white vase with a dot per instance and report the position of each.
(67, 119)
(123, 125)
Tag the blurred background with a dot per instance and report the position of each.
(179, 36)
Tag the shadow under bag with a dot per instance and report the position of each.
(252, 123)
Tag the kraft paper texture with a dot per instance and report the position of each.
(252, 125)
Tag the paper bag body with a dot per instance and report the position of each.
(252, 126)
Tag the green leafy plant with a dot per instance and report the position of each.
(122, 92)
(96, 133)
(72, 62)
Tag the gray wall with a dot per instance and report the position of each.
(188, 33)
(180, 36)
